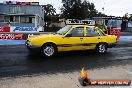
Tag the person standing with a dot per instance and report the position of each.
(105, 29)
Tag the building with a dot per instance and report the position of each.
(22, 16)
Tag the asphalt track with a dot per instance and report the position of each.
(16, 60)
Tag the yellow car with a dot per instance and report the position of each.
(72, 37)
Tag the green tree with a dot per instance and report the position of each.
(77, 9)
(49, 9)
(49, 12)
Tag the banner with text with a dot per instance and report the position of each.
(11, 36)
(4, 29)
(26, 29)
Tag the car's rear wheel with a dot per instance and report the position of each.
(48, 50)
(101, 48)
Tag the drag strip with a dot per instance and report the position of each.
(16, 60)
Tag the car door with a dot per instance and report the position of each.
(92, 38)
(73, 39)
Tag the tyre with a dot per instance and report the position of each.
(101, 48)
(48, 50)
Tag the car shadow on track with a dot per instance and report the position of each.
(71, 61)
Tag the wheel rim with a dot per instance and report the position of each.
(102, 48)
(49, 50)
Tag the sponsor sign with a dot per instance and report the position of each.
(11, 36)
(75, 21)
(25, 29)
(4, 29)
(23, 3)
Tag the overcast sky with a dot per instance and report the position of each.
(111, 7)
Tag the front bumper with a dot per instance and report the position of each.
(110, 45)
(31, 47)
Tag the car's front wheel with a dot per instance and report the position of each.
(48, 50)
(101, 48)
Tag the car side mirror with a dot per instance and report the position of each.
(69, 35)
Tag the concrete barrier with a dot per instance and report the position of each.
(125, 38)
(12, 42)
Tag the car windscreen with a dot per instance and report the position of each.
(64, 30)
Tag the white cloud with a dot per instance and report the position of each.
(114, 7)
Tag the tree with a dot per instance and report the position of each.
(49, 9)
(76, 9)
(99, 14)
(70, 8)
(49, 12)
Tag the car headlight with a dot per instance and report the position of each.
(28, 43)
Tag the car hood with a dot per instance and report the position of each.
(42, 36)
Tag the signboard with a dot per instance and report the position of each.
(4, 29)
(89, 22)
(25, 29)
(23, 3)
(11, 36)
(75, 21)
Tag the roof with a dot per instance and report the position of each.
(19, 5)
(17, 14)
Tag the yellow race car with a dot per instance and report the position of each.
(72, 37)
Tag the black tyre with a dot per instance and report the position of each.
(101, 48)
(48, 50)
